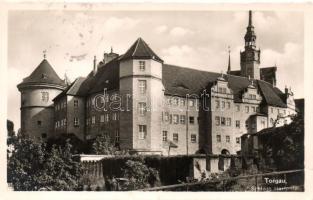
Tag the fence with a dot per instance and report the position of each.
(291, 180)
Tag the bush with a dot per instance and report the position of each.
(139, 175)
(31, 166)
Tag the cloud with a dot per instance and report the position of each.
(114, 24)
(289, 63)
(161, 29)
(179, 31)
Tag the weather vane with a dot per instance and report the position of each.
(44, 53)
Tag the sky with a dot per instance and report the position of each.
(194, 39)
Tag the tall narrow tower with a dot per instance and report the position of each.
(250, 57)
(140, 73)
(37, 91)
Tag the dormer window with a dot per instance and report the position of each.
(43, 76)
(142, 65)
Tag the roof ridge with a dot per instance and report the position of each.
(137, 43)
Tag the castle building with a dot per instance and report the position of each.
(147, 106)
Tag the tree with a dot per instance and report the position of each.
(32, 166)
(102, 145)
(139, 175)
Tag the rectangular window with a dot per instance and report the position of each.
(142, 108)
(224, 90)
(175, 101)
(182, 102)
(191, 103)
(75, 103)
(175, 137)
(175, 119)
(227, 138)
(117, 135)
(263, 124)
(114, 116)
(142, 65)
(44, 135)
(93, 119)
(237, 123)
(62, 122)
(142, 132)
(237, 108)
(191, 120)
(223, 121)
(65, 122)
(101, 118)
(217, 104)
(238, 140)
(107, 117)
(193, 138)
(228, 121)
(164, 136)
(253, 125)
(247, 109)
(182, 119)
(142, 86)
(228, 105)
(223, 104)
(253, 109)
(166, 116)
(76, 121)
(44, 96)
(218, 138)
(39, 123)
(217, 120)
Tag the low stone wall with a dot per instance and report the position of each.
(171, 168)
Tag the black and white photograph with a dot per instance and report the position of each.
(161, 100)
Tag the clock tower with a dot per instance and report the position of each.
(250, 57)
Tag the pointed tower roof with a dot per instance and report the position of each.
(140, 50)
(45, 74)
(250, 36)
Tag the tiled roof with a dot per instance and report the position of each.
(44, 73)
(180, 81)
(267, 74)
(140, 50)
(73, 88)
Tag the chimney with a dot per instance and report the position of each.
(95, 67)
(107, 57)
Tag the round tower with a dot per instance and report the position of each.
(37, 92)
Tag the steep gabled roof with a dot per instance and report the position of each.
(181, 81)
(140, 50)
(44, 73)
(73, 88)
(267, 74)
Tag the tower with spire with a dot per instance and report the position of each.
(250, 57)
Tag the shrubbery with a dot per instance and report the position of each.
(33, 166)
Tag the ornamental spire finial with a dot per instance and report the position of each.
(44, 54)
(250, 18)
(229, 65)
